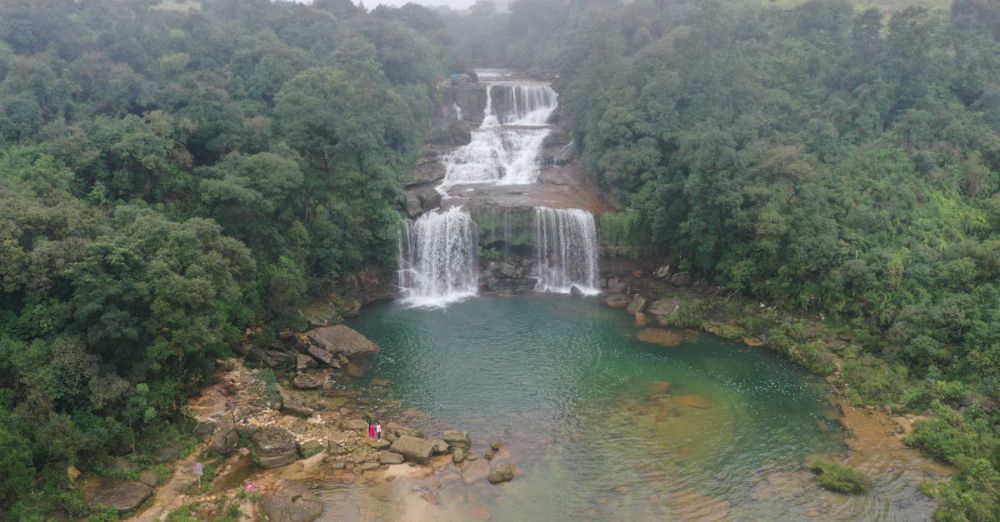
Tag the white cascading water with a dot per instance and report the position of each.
(504, 149)
(438, 258)
(566, 249)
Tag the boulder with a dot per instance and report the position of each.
(321, 355)
(121, 495)
(636, 304)
(662, 272)
(575, 291)
(225, 440)
(311, 447)
(457, 439)
(340, 339)
(303, 362)
(681, 279)
(641, 319)
(616, 301)
(440, 446)
(306, 382)
(274, 446)
(388, 457)
(661, 337)
(753, 342)
(294, 405)
(458, 455)
(664, 307)
(501, 474)
(149, 478)
(291, 501)
(412, 448)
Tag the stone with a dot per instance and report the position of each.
(340, 339)
(662, 272)
(636, 304)
(225, 440)
(388, 457)
(311, 447)
(354, 370)
(661, 337)
(321, 355)
(681, 279)
(121, 495)
(306, 382)
(379, 444)
(149, 478)
(458, 455)
(303, 362)
(753, 342)
(274, 446)
(501, 474)
(413, 449)
(641, 319)
(575, 291)
(664, 307)
(475, 471)
(369, 466)
(457, 439)
(291, 501)
(440, 446)
(616, 301)
(294, 405)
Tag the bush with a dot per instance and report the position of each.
(842, 479)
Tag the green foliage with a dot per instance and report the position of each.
(839, 478)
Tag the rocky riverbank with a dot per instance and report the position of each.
(265, 441)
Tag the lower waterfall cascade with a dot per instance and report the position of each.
(438, 258)
(566, 251)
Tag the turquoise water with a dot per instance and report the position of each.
(601, 425)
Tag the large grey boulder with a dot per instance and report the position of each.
(340, 339)
(120, 495)
(412, 448)
(291, 501)
(274, 446)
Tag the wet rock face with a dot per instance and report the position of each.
(291, 501)
(273, 447)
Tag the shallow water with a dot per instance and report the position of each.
(585, 412)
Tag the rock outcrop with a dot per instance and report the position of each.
(273, 447)
(413, 449)
(121, 495)
(329, 341)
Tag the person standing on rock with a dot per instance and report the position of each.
(378, 430)
(371, 430)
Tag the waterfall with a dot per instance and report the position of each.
(458, 111)
(529, 104)
(566, 249)
(438, 258)
(504, 149)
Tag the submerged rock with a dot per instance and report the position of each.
(291, 501)
(501, 474)
(417, 450)
(661, 337)
(692, 401)
(475, 471)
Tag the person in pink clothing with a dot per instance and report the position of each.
(371, 430)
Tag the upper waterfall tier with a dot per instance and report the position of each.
(504, 150)
(438, 258)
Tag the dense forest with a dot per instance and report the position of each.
(170, 176)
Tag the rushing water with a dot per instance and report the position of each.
(586, 413)
(566, 250)
(438, 258)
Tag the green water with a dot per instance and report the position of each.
(581, 406)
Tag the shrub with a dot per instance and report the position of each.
(842, 479)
